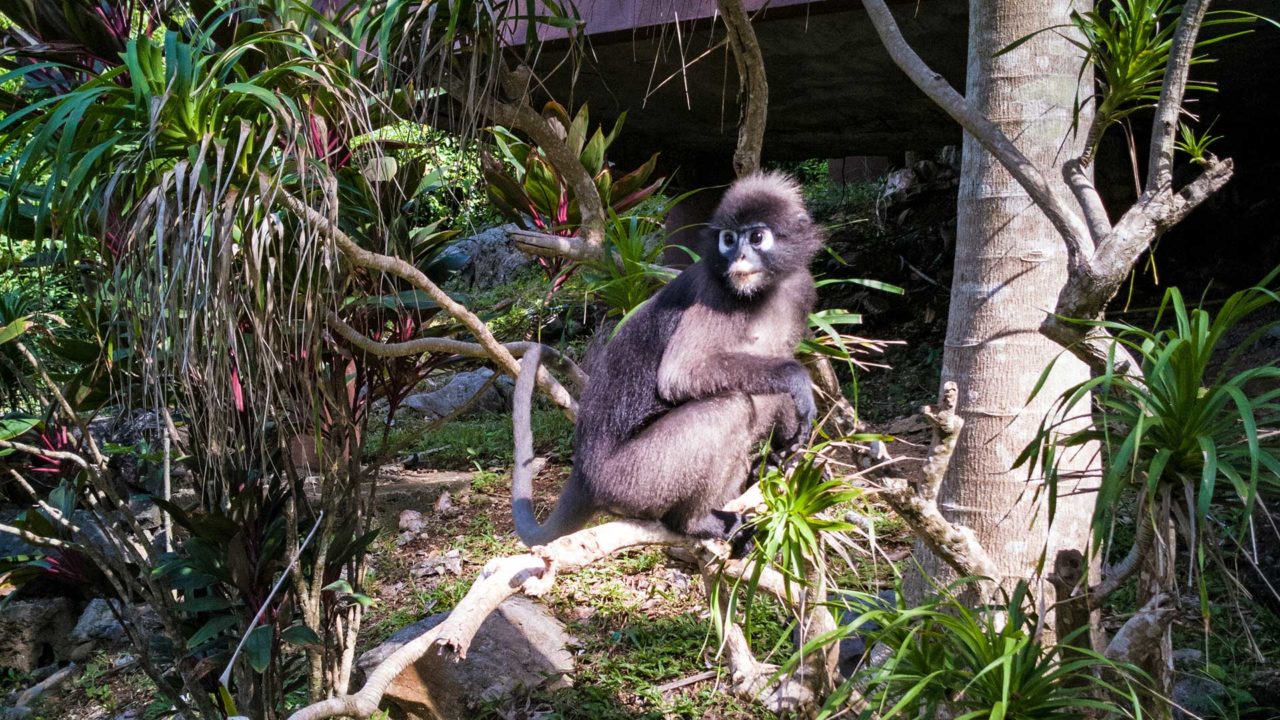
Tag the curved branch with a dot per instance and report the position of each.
(419, 346)
(1051, 203)
(954, 544)
(1164, 126)
(521, 116)
(753, 86)
(534, 573)
(415, 277)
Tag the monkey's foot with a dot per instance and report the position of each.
(742, 541)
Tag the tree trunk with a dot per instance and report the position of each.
(1010, 265)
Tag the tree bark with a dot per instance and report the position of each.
(1010, 265)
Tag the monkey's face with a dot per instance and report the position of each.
(744, 253)
(762, 233)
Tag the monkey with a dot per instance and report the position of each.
(690, 383)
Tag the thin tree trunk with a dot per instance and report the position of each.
(1156, 578)
(1010, 265)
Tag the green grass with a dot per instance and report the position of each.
(474, 443)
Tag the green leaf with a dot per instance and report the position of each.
(15, 329)
(593, 155)
(301, 635)
(341, 586)
(210, 630)
(13, 427)
(257, 649)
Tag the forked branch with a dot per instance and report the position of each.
(415, 277)
(917, 505)
(1100, 255)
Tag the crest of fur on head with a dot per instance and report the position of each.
(771, 199)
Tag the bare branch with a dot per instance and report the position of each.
(44, 452)
(753, 86)
(407, 272)
(1164, 126)
(1071, 610)
(1120, 572)
(1090, 287)
(32, 538)
(518, 114)
(534, 573)
(419, 346)
(1051, 203)
(1080, 181)
(548, 245)
(954, 544)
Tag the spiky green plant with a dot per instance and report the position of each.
(944, 658)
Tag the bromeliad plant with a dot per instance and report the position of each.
(526, 188)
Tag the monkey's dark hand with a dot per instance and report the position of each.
(801, 390)
(742, 542)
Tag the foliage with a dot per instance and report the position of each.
(526, 188)
(146, 147)
(948, 658)
(1187, 418)
(1127, 43)
(631, 272)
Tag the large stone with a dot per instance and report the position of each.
(97, 629)
(459, 390)
(520, 646)
(34, 632)
(1197, 696)
(492, 259)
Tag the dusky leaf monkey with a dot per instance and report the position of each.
(680, 397)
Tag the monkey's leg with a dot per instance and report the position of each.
(683, 468)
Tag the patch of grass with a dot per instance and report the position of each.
(911, 381)
(482, 441)
(486, 481)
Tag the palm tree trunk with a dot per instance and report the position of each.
(1010, 265)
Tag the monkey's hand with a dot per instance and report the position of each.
(801, 389)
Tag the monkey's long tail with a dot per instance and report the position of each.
(573, 509)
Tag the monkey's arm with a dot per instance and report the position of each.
(682, 378)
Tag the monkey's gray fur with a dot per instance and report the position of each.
(692, 381)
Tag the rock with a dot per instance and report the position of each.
(411, 521)
(520, 646)
(1197, 696)
(444, 507)
(898, 184)
(450, 562)
(460, 389)
(11, 545)
(96, 629)
(492, 259)
(34, 632)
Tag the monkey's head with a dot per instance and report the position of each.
(762, 233)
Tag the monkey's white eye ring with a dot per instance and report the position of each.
(728, 239)
(760, 237)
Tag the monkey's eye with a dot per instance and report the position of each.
(761, 237)
(728, 239)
